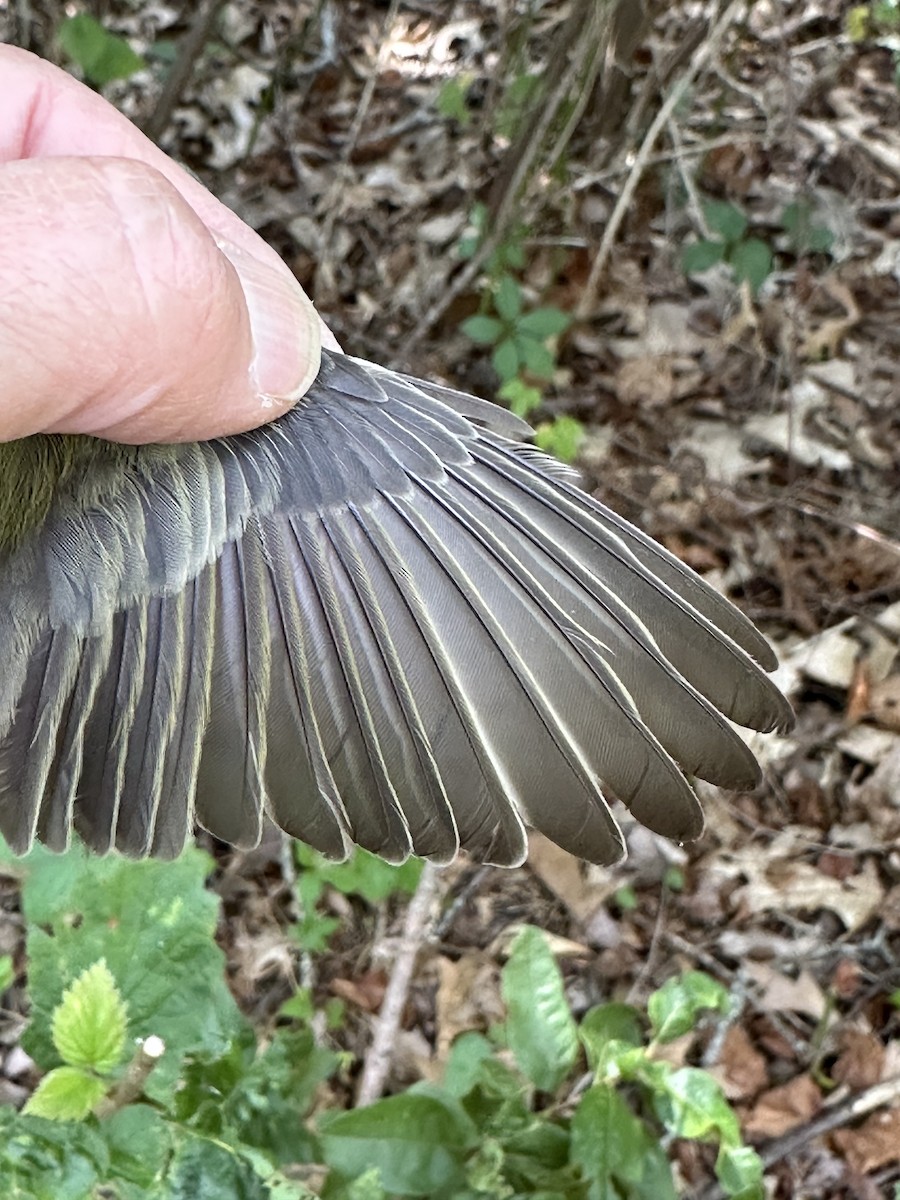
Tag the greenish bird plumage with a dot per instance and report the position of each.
(382, 619)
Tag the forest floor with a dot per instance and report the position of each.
(751, 426)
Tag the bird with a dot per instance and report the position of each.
(383, 619)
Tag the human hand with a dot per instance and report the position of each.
(133, 304)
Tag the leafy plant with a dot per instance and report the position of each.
(522, 340)
(750, 258)
(102, 56)
(122, 951)
(88, 1032)
(519, 336)
(363, 875)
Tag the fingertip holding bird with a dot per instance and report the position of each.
(284, 326)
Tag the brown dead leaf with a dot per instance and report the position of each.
(784, 1108)
(779, 992)
(860, 1063)
(800, 887)
(741, 1069)
(874, 1145)
(468, 997)
(847, 978)
(646, 382)
(365, 992)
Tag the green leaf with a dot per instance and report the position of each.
(725, 219)
(674, 1008)
(417, 1140)
(539, 1026)
(512, 255)
(463, 1067)
(140, 1141)
(505, 359)
(692, 1105)
(49, 1160)
(607, 1032)
(452, 99)
(617, 1153)
(537, 358)
(101, 55)
(88, 1026)
(700, 256)
(204, 1170)
(544, 322)
(561, 437)
(363, 874)
(751, 260)
(508, 299)
(66, 1094)
(519, 396)
(7, 972)
(739, 1169)
(483, 330)
(154, 924)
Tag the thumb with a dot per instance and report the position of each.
(123, 315)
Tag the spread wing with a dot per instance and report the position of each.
(381, 619)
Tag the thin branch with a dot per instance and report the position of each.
(182, 69)
(699, 61)
(378, 1060)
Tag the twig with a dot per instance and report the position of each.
(176, 81)
(324, 281)
(700, 59)
(149, 1051)
(585, 38)
(378, 1060)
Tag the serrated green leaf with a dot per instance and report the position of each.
(674, 1008)
(153, 923)
(544, 322)
(418, 1141)
(700, 256)
(102, 56)
(66, 1094)
(539, 1026)
(508, 299)
(505, 359)
(725, 219)
(88, 1025)
(751, 260)
(483, 330)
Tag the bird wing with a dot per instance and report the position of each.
(380, 620)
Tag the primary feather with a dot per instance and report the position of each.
(380, 619)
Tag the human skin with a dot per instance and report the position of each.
(133, 304)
